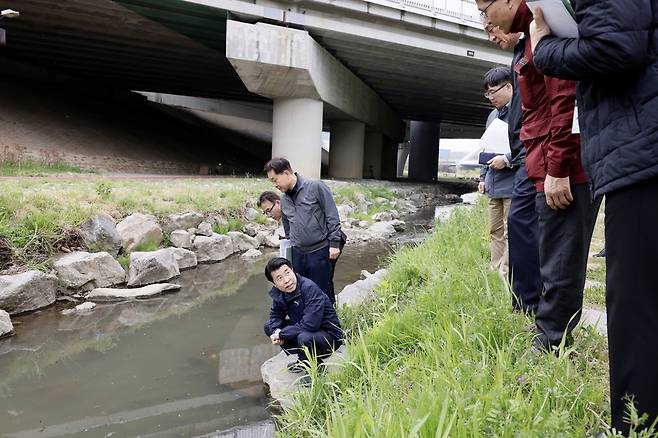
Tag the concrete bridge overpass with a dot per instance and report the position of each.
(357, 68)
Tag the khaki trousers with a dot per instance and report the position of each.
(498, 211)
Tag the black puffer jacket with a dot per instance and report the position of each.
(616, 61)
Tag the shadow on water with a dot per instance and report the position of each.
(183, 364)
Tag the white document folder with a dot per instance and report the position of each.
(558, 16)
(496, 138)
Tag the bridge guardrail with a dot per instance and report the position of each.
(457, 11)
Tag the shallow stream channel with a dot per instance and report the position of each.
(184, 364)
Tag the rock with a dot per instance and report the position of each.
(363, 224)
(251, 254)
(381, 201)
(204, 229)
(398, 225)
(181, 239)
(382, 229)
(266, 238)
(85, 271)
(344, 211)
(186, 259)
(182, 221)
(394, 214)
(107, 294)
(470, 198)
(451, 198)
(217, 220)
(85, 307)
(242, 242)
(361, 290)
(28, 291)
(6, 327)
(212, 249)
(152, 267)
(251, 214)
(363, 203)
(192, 232)
(100, 234)
(281, 232)
(382, 216)
(137, 229)
(365, 274)
(283, 384)
(251, 230)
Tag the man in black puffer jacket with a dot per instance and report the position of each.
(615, 60)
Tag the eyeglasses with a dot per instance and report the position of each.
(489, 94)
(268, 211)
(483, 14)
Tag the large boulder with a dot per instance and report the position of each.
(185, 258)
(212, 249)
(107, 294)
(360, 291)
(6, 327)
(86, 271)
(251, 214)
(137, 229)
(182, 221)
(100, 234)
(28, 291)
(181, 239)
(152, 267)
(242, 242)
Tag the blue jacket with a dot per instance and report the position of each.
(615, 59)
(308, 309)
(498, 183)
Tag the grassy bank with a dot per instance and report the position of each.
(39, 215)
(33, 168)
(441, 354)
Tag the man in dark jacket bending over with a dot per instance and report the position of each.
(301, 315)
(615, 59)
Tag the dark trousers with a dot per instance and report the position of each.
(631, 245)
(523, 240)
(564, 238)
(317, 267)
(320, 343)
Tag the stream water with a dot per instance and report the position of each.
(184, 364)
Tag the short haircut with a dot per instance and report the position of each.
(496, 77)
(268, 196)
(275, 264)
(278, 165)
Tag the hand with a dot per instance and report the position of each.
(481, 188)
(497, 162)
(558, 192)
(274, 337)
(334, 253)
(538, 29)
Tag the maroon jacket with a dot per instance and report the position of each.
(548, 105)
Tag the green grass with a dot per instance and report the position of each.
(440, 354)
(146, 246)
(33, 168)
(233, 224)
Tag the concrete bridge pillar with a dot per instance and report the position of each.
(297, 134)
(346, 149)
(424, 151)
(402, 155)
(372, 155)
(389, 158)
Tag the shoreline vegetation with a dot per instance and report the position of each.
(39, 216)
(439, 353)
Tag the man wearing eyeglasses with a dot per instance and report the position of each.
(564, 207)
(497, 177)
(270, 204)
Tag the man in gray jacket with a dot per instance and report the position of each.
(311, 222)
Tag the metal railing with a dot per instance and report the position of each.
(458, 11)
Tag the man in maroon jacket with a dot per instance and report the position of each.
(566, 212)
